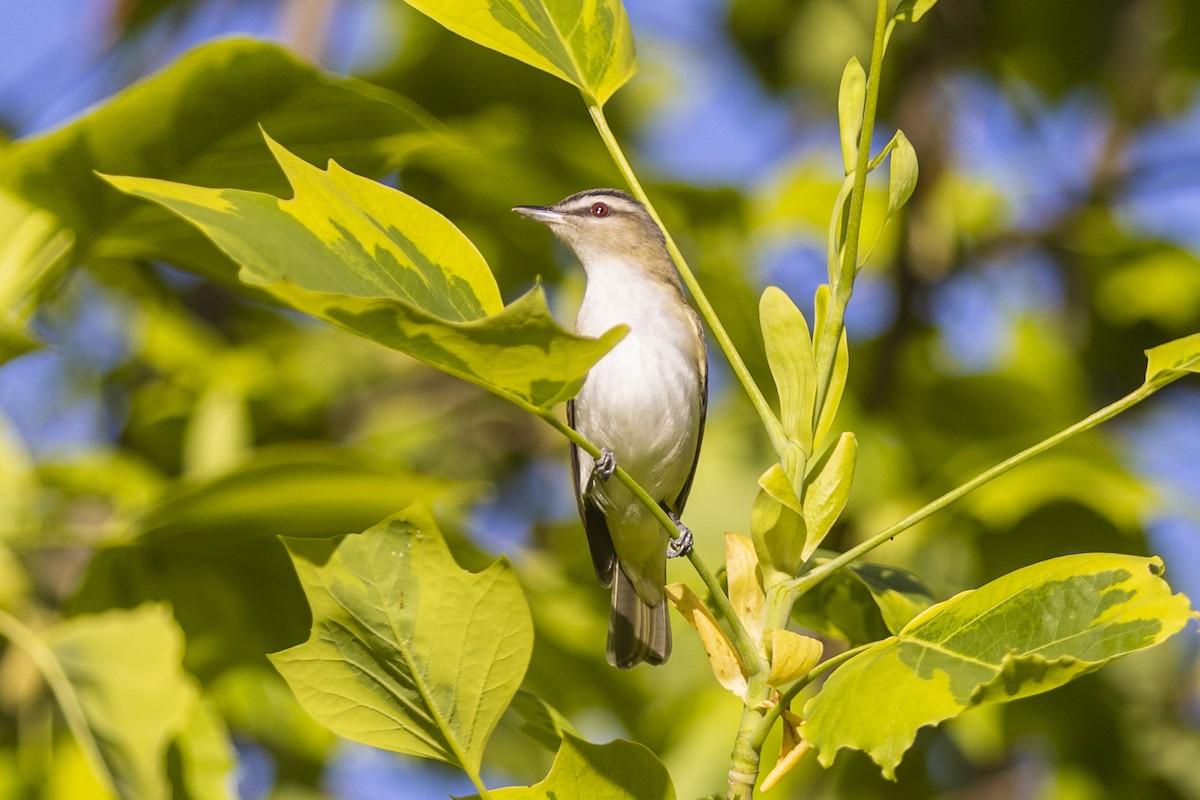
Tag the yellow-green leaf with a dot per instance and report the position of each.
(617, 770)
(380, 264)
(828, 491)
(722, 657)
(841, 367)
(777, 526)
(1168, 361)
(912, 10)
(745, 584)
(902, 173)
(852, 96)
(791, 654)
(1025, 633)
(125, 671)
(408, 652)
(790, 354)
(587, 43)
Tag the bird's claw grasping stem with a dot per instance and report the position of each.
(606, 464)
(681, 545)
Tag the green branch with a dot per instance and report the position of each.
(807, 581)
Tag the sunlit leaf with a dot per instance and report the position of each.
(863, 603)
(206, 755)
(841, 366)
(1168, 361)
(34, 251)
(198, 121)
(1025, 633)
(587, 44)
(828, 491)
(912, 10)
(791, 655)
(124, 669)
(408, 652)
(618, 770)
(211, 549)
(541, 721)
(378, 263)
(777, 524)
(902, 173)
(722, 657)
(852, 97)
(745, 588)
(790, 354)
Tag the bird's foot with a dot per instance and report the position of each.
(682, 544)
(606, 464)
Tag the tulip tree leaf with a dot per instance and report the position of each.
(198, 121)
(852, 97)
(1173, 359)
(790, 355)
(618, 770)
(125, 671)
(863, 603)
(841, 366)
(1022, 634)
(587, 44)
(828, 491)
(902, 173)
(408, 652)
(912, 10)
(380, 264)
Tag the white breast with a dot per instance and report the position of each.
(642, 400)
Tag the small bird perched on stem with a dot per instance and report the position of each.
(643, 405)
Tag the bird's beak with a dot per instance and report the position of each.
(540, 213)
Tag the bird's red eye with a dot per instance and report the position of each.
(599, 210)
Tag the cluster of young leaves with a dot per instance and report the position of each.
(381, 665)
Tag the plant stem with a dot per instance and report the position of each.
(807, 581)
(746, 647)
(64, 693)
(785, 699)
(773, 427)
(843, 286)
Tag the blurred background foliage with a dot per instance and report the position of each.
(168, 428)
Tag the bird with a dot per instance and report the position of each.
(643, 405)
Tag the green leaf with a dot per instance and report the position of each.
(863, 603)
(206, 755)
(197, 121)
(777, 527)
(912, 10)
(902, 173)
(790, 354)
(1025, 633)
(408, 652)
(852, 97)
(33, 253)
(1168, 361)
(541, 721)
(618, 770)
(124, 669)
(828, 491)
(378, 263)
(211, 549)
(841, 367)
(587, 44)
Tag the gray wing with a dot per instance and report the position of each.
(604, 557)
(681, 498)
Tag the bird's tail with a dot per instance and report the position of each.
(637, 631)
